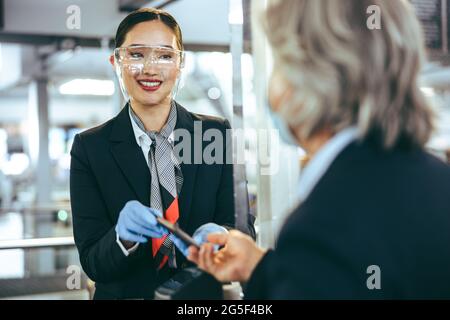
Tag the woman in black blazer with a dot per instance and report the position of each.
(373, 213)
(126, 172)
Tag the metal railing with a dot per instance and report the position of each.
(37, 209)
(37, 243)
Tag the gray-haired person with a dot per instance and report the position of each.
(373, 219)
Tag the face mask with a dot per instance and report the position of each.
(283, 129)
(278, 86)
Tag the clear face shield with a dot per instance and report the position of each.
(134, 60)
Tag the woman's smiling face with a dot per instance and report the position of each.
(154, 84)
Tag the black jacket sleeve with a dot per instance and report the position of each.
(310, 263)
(94, 232)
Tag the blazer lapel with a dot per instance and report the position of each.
(129, 156)
(185, 121)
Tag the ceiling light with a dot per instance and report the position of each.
(88, 87)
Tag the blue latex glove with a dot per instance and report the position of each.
(200, 236)
(137, 223)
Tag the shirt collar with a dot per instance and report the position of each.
(322, 160)
(138, 132)
(140, 135)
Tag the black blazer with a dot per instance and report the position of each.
(390, 209)
(107, 170)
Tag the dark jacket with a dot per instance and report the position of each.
(108, 169)
(389, 209)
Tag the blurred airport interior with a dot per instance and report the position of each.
(56, 81)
